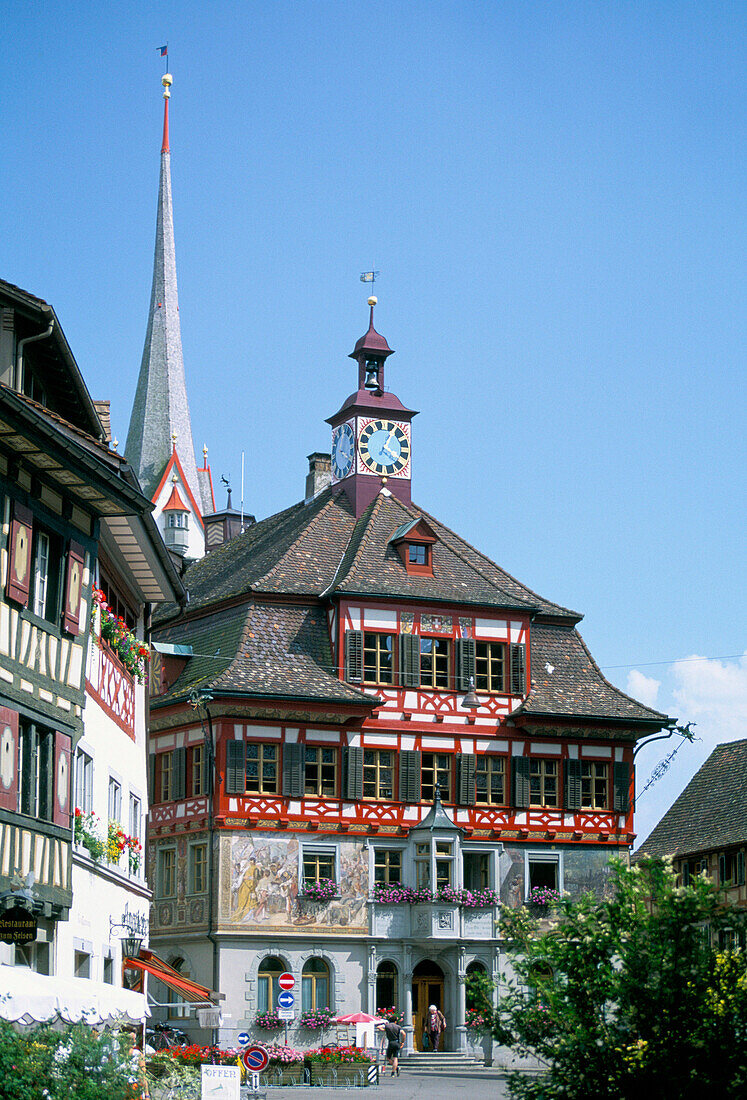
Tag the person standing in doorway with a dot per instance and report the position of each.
(435, 1024)
(395, 1040)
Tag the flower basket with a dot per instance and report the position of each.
(86, 833)
(318, 1019)
(541, 899)
(338, 1066)
(268, 1021)
(322, 890)
(133, 653)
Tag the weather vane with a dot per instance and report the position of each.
(164, 52)
(369, 276)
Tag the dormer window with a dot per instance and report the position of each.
(414, 542)
(417, 554)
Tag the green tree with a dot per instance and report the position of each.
(626, 998)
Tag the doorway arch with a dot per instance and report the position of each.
(428, 988)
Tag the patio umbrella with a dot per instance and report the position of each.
(359, 1018)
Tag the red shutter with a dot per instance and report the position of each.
(62, 746)
(73, 587)
(8, 759)
(19, 555)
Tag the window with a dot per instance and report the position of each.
(108, 970)
(319, 863)
(314, 985)
(417, 554)
(119, 605)
(34, 956)
(434, 662)
(41, 574)
(378, 773)
(490, 666)
(46, 559)
(196, 763)
(543, 872)
(177, 1009)
(476, 870)
(36, 770)
(82, 965)
(543, 778)
(262, 769)
(135, 816)
(115, 800)
(83, 781)
(490, 780)
(321, 772)
(474, 970)
(387, 866)
(166, 762)
(594, 786)
(167, 872)
(422, 866)
(386, 986)
(444, 863)
(198, 868)
(268, 989)
(435, 772)
(378, 666)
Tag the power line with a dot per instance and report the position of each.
(676, 661)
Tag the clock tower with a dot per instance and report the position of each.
(372, 432)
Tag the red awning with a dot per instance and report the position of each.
(189, 990)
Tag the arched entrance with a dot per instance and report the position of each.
(427, 989)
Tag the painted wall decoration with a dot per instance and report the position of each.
(511, 877)
(264, 887)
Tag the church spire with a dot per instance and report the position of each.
(160, 411)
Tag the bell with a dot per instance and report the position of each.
(470, 700)
(372, 376)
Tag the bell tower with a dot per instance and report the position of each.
(372, 431)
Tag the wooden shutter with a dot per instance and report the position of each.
(152, 778)
(73, 587)
(19, 555)
(61, 806)
(621, 787)
(293, 770)
(409, 776)
(522, 782)
(409, 660)
(466, 766)
(179, 772)
(352, 762)
(235, 767)
(8, 759)
(518, 669)
(465, 663)
(573, 784)
(354, 656)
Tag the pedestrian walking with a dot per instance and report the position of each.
(395, 1039)
(435, 1025)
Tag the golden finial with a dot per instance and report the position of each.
(373, 300)
(167, 80)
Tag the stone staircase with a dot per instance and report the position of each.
(430, 1062)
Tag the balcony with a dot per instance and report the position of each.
(111, 685)
(434, 920)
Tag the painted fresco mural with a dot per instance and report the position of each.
(264, 887)
(584, 870)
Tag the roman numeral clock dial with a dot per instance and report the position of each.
(384, 447)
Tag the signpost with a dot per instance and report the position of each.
(286, 981)
(254, 1059)
(286, 999)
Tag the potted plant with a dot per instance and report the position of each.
(86, 833)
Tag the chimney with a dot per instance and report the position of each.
(319, 475)
(104, 414)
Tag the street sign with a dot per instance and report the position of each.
(286, 1013)
(243, 1038)
(255, 1059)
(286, 981)
(286, 999)
(254, 1082)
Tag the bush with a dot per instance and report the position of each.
(59, 1065)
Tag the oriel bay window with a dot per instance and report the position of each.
(435, 661)
(387, 866)
(422, 866)
(378, 773)
(378, 664)
(444, 853)
(490, 666)
(490, 780)
(435, 772)
(320, 772)
(262, 769)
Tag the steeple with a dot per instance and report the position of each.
(160, 424)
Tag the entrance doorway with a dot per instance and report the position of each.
(427, 989)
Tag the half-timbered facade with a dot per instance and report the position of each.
(77, 544)
(357, 696)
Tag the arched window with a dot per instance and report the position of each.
(386, 985)
(476, 970)
(315, 985)
(270, 970)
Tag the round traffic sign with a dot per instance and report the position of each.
(286, 999)
(243, 1038)
(286, 981)
(255, 1059)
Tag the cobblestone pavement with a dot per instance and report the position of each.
(412, 1084)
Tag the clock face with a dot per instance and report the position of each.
(343, 449)
(384, 447)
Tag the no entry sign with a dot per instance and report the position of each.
(255, 1059)
(286, 981)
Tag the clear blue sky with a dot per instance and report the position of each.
(554, 195)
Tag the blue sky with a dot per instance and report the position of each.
(554, 195)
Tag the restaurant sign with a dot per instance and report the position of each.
(17, 925)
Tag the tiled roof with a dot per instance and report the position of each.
(566, 680)
(260, 649)
(710, 813)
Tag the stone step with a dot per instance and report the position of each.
(430, 1061)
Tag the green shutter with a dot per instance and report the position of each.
(179, 774)
(352, 762)
(409, 776)
(354, 656)
(409, 660)
(522, 782)
(235, 767)
(621, 787)
(465, 663)
(466, 765)
(573, 784)
(152, 778)
(293, 769)
(518, 669)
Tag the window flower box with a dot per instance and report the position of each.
(324, 889)
(133, 653)
(317, 1019)
(268, 1021)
